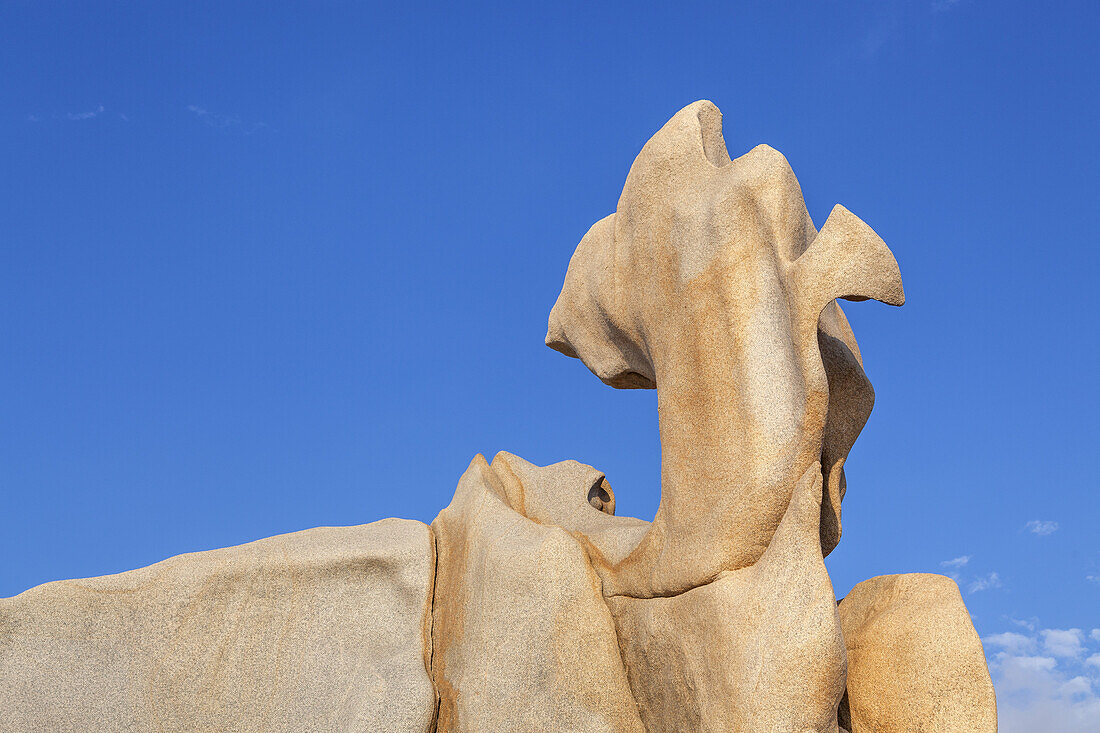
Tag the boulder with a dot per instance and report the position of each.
(321, 630)
(915, 662)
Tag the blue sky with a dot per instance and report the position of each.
(267, 266)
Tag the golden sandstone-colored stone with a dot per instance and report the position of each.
(915, 662)
(709, 282)
(528, 605)
(522, 638)
(757, 649)
(321, 630)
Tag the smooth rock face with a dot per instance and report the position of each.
(549, 495)
(915, 662)
(758, 649)
(711, 283)
(321, 630)
(522, 638)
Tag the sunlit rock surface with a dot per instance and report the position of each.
(528, 605)
(326, 629)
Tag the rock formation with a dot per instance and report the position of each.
(321, 630)
(527, 605)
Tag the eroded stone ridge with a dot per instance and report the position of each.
(527, 605)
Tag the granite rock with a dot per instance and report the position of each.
(915, 662)
(758, 649)
(711, 284)
(321, 630)
(528, 604)
(522, 639)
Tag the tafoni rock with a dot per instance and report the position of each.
(527, 605)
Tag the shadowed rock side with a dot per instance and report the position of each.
(915, 663)
(522, 638)
(321, 630)
(711, 284)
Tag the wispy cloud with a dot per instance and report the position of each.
(942, 6)
(993, 580)
(881, 31)
(957, 568)
(1046, 680)
(1028, 624)
(1041, 527)
(87, 115)
(953, 566)
(1093, 578)
(99, 111)
(226, 122)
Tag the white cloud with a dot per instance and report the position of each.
(1063, 642)
(86, 115)
(1011, 642)
(1095, 634)
(1077, 686)
(1034, 694)
(993, 580)
(1026, 624)
(91, 114)
(958, 562)
(225, 122)
(1055, 690)
(1093, 578)
(1041, 527)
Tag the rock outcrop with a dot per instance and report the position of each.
(711, 284)
(757, 649)
(322, 630)
(527, 604)
(915, 662)
(520, 632)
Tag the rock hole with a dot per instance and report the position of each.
(601, 497)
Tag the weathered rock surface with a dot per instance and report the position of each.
(321, 630)
(711, 283)
(758, 649)
(915, 662)
(562, 495)
(529, 606)
(522, 638)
